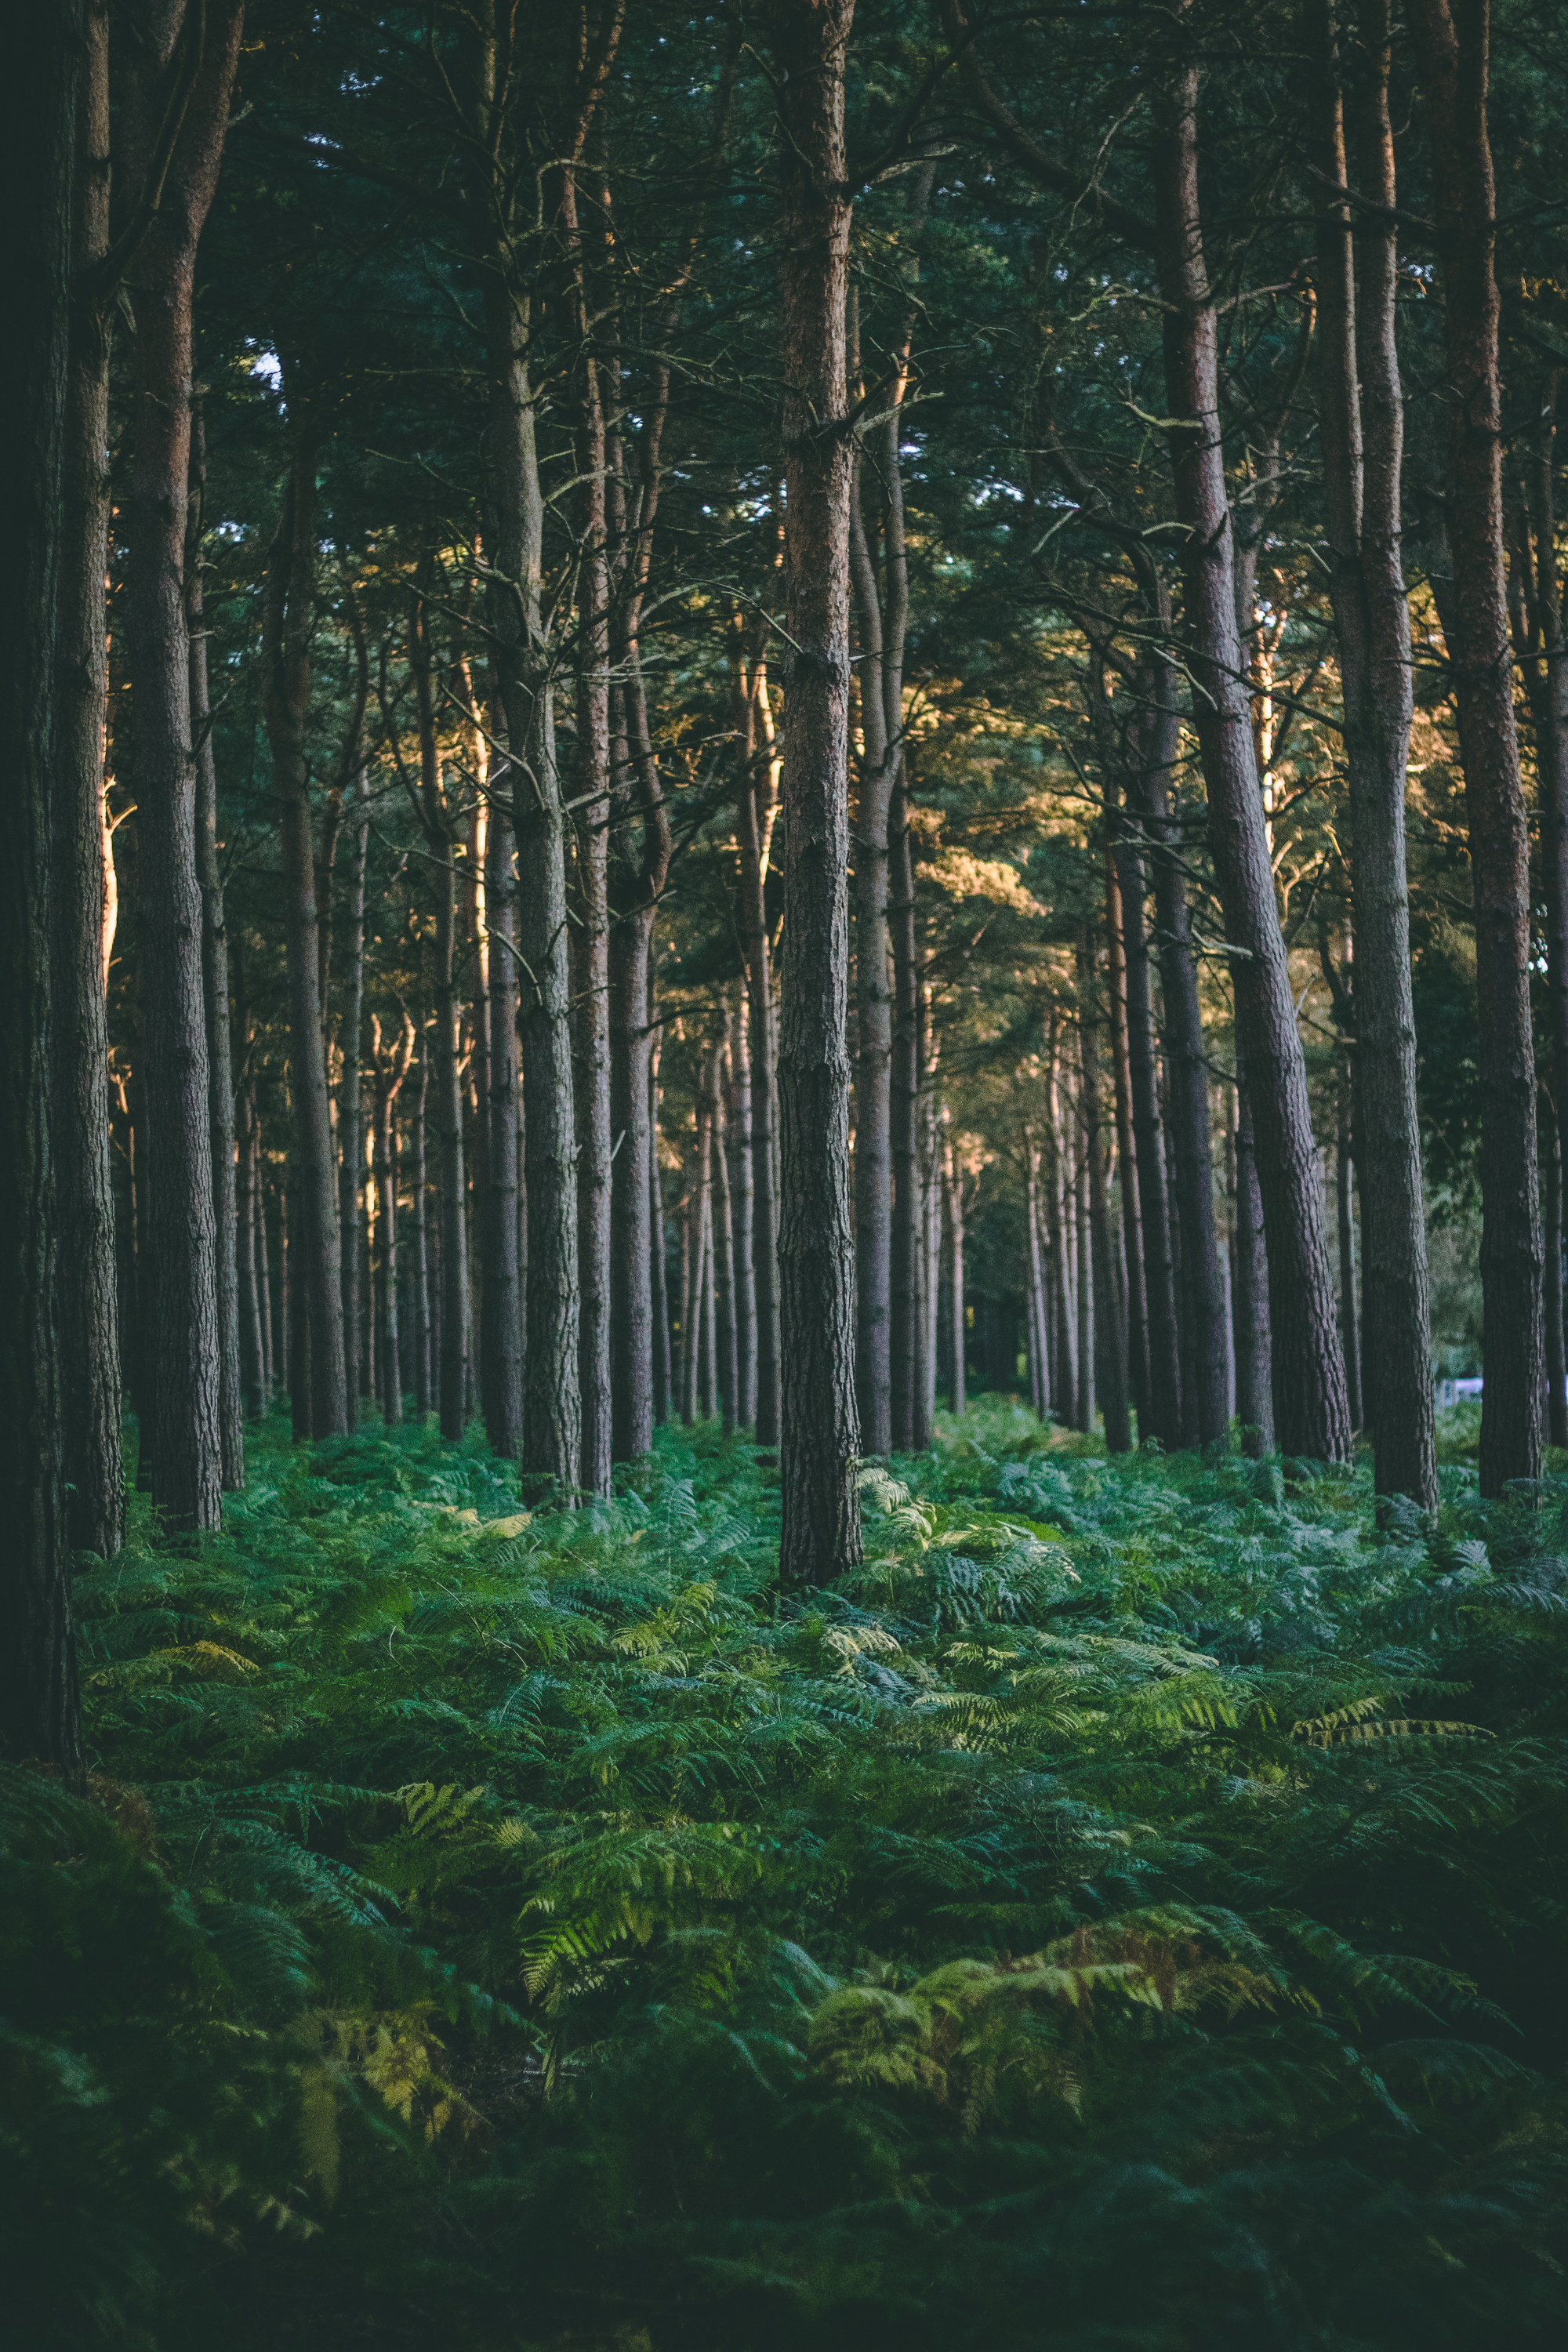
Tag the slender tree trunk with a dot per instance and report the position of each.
(756, 811)
(737, 1127)
(663, 1388)
(1083, 1266)
(1137, 1308)
(214, 985)
(953, 1194)
(500, 1313)
(1556, 1393)
(350, 1111)
(1254, 1353)
(272, 1373)
(182, 1277)
(908, 1235)
(1064, 1395)
(1112, 1383)
(252, 1348)
(819, 1429)
(724, 1254)
(1163, 1329)
(1039, 1352)
(88, 1331)
(873, 1010)
(592, 1086)
(39, 1719)
(1362, 427)
(455, 1301)
(1350, 1322)
(296, 1306)
(287, 627)
(690, 1269)
(1308, 1367)
(424, 1351)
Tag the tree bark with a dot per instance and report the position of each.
(90, 1331)
(500, 1307)
(39, 1700)
(1362, 427)
(287, 627)
(1452, 45)
(215, 986)
(756, 811)
(1345, 1202)
(252, 1343)
(351, 1132)
(182, 1277)
(911, 1428)
(1551, 1284)
(738, 1129)
(658, 1285)
(1112, 1355)
(1137, 1308)
(1254, 1353)
(424, 1357)
(952, 1200)
(1308, 1367)
(819, 1430)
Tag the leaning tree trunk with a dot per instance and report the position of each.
(315, 1249)
(819, 1429)
(183, 1275)
(1362, 427)
(215, 983)
(38, 1704)
(89, 1326)
(1308, 1366)
(1452, 56)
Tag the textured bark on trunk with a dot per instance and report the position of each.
(910, 1426)
(181, 1289)
(1308, 1367)
(1344, 1205)
(351, 1132)
(1362, 427)
(1451, 47)
(663, 1388)
(1162, 1331)
(723, 1250)
(1107, 1322)
(287, 627)
(819, 1429)
(952, 1202)
(1137, 1305)
(423, 1354)
(390, 1067)
(1064, 1396)
(500, 1305)
(252, 1340)
(39, 1703)
(737, 1128)
(1552, 1281)
(448, 1090)
(1254, 1352)
(756, 812)
(89, 1332)
(874, 1010)
(215, 988)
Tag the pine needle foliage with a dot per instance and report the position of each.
(1128, 1914)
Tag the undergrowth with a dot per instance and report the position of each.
(1126, 1914)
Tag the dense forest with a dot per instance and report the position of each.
(783, 1420)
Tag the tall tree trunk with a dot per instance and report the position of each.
(1362, 427)
(1064, 1397)
(182, 1277)
(1083, 1267)
(952, 1200)
(1254, 1352)
(738, 1129)
(874, 1043)
(1345, 1202)
(1137, 1308)
(910, 1429)
(723, 1252)
(390, 1069)
(438, 835)
(288, 623)
(663, 1386)
(423, 1354)
(500, 1310)
(1107, 1322)
(1452, 47)
(756, 811)
(1551, 1285)
(89, 1332)
(1163, 1329)
(351, 1132)
(38, 1701)
(819, 1430)
(1308, 1367)
(252, 1344)
(214, 985)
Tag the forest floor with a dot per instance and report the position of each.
(1128, 1914)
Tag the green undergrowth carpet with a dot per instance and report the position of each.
(1126, 1916)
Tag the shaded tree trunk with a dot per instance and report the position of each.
(351, 1132)
(1362, 427)
(819, 1429)
(252, 1344)
(90, 1328)
(1107, 1322)
(1552, 1285)
(1345, 1202)
(1308, 1366)
(952, 1200)
(1137, 1308)
(663, 1387)
(500, 1304)
(911, 1427)
(737, 1128)
(424, 1335)
(39, 1698)
(1254, 1353)
(288, 620)
(214, 985)
(181, 1284)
